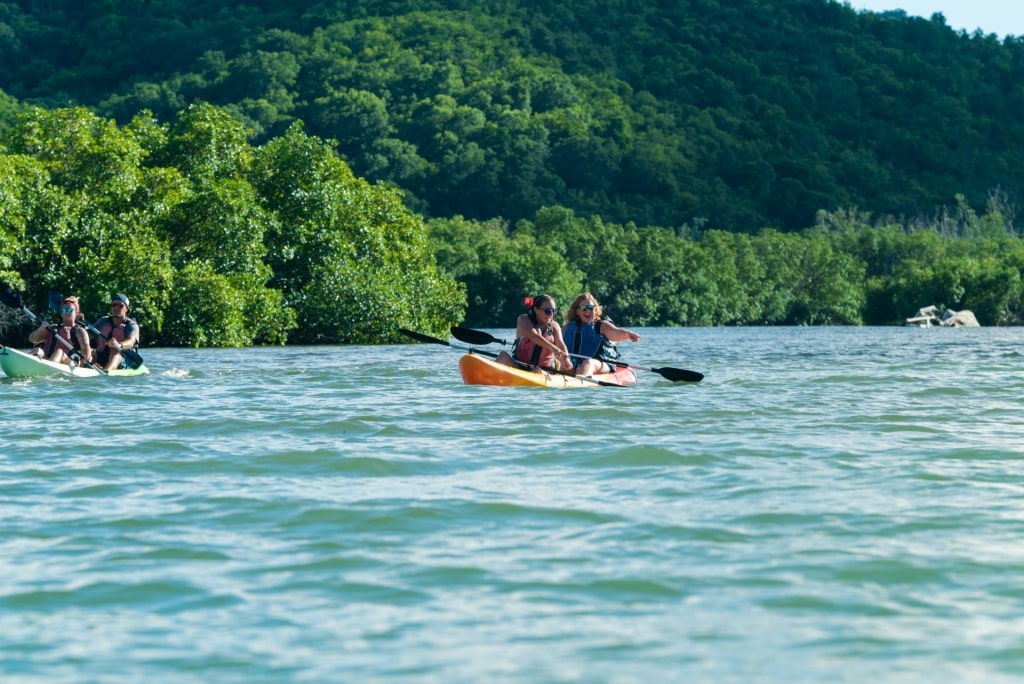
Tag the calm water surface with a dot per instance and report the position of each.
(828, 505)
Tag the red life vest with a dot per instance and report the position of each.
(66, 333)
(121, 332)
(527, 350)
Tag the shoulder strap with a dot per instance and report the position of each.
(535, 356)
(606, 351)
(51, 344)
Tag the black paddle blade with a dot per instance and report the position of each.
(133, 357)
(9, 297)
(679, 374)
(56, 299)
(474, 336)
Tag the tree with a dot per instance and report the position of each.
(349, 257)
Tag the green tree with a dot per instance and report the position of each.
(499, 267)
(206, 310)
(82, 231)
(671, 287)
(600, 251)
(348, 256)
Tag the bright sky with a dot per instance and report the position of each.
(1001, 17)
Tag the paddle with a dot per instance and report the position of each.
(435, 340)
(12, 299)
(132, 357)
(673, 374)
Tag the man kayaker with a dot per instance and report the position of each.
(75, 338)
(117, 332)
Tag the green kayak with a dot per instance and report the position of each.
(18, 364)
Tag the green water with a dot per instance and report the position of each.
(828, 505)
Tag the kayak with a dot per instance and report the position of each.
(477, 370)
(18, 364)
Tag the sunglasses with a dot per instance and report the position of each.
(550, 312)
(117, 305)
(587, 307)
(67, 309)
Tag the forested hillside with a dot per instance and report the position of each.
(255, 173)
(719, 114)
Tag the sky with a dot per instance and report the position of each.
(1001, 17)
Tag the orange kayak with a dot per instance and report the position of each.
(477, 370)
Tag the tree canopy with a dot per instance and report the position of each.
(218, 242)
(848, 269)
(740, 114)
(329, 172)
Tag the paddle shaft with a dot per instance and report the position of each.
(131, 355)
(427, 338)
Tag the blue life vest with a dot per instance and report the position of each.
(587, 340)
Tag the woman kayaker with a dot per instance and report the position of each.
(587, 333)
(538, 338)
(65, 342)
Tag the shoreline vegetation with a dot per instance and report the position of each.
(224, 243)
(336, 172)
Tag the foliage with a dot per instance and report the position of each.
(844, 271)
(654, 113)
(216, 242)
(500, 268)
(354, 261)
(219, 242)
(335, 171)
(206, 310)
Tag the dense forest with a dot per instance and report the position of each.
(217, 242)
(256, 172)
(736, 114)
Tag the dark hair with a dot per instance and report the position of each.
(536, 302)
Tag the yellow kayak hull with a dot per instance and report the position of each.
(476, 370)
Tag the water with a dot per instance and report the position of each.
(828, 505)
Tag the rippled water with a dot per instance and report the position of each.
(828, 505)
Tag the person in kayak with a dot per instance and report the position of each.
(76, 344)
(538, 338)
(117, 332)
(588, 333)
